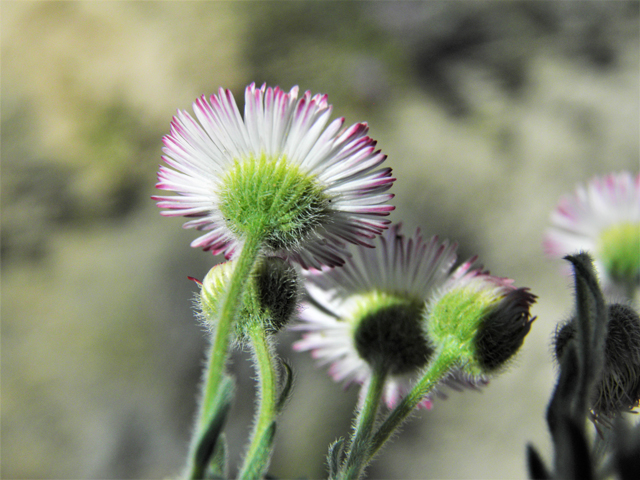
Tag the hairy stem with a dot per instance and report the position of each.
(256, 459)
(220, 343)
(438, 369)
(358, 456)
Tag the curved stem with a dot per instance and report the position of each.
(257, 456)
(438, 369)
(360, 446)
(220, 343)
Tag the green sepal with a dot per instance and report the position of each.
(335, 458)
(273, 200)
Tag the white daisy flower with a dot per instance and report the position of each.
(370, 312)
(304, 187)
(603, 219)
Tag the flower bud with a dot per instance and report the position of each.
(483, 319)
(271, 297)
(618, 389)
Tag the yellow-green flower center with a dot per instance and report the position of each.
(388, 333)
(274, 199)
(619, 249)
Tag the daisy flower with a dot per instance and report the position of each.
(602, 218)
(280, 173)
(369, 313)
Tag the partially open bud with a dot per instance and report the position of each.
(483, 319)
(618, 389)
(271, 297)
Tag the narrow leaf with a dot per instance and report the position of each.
(286, 387)
(335, 458)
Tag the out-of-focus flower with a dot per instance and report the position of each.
(603, 219)
(369, 313)
(482, 320)
(279, 174)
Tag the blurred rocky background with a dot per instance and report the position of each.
(489, 111)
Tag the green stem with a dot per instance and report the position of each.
(256, 460)
(446, 360)
(220, 343)
(360, 446)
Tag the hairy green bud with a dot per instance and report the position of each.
(270, 299)
(484, 321)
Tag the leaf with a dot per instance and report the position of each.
(218, 463)
(286, 387)
(206, 448)
(537, 468)
(335, 458)
(591, 327)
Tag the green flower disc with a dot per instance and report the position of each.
(619, 248)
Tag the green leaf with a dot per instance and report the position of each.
(218, 463)
(286, 387)
(335, 458)
(206, 451)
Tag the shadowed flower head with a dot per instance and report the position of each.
(369, 313)
(603, 219)
(281, 173)
(618, 389)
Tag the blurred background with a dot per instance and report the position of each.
(488, 111)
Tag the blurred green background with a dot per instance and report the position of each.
(488, 111)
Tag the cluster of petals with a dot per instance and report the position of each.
(343, 161)
(413, 268)
(580, 218)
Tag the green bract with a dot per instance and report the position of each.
(274, 200)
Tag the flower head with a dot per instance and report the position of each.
(602, 218)
(279, 173)
(483, 318)
(369, 313)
